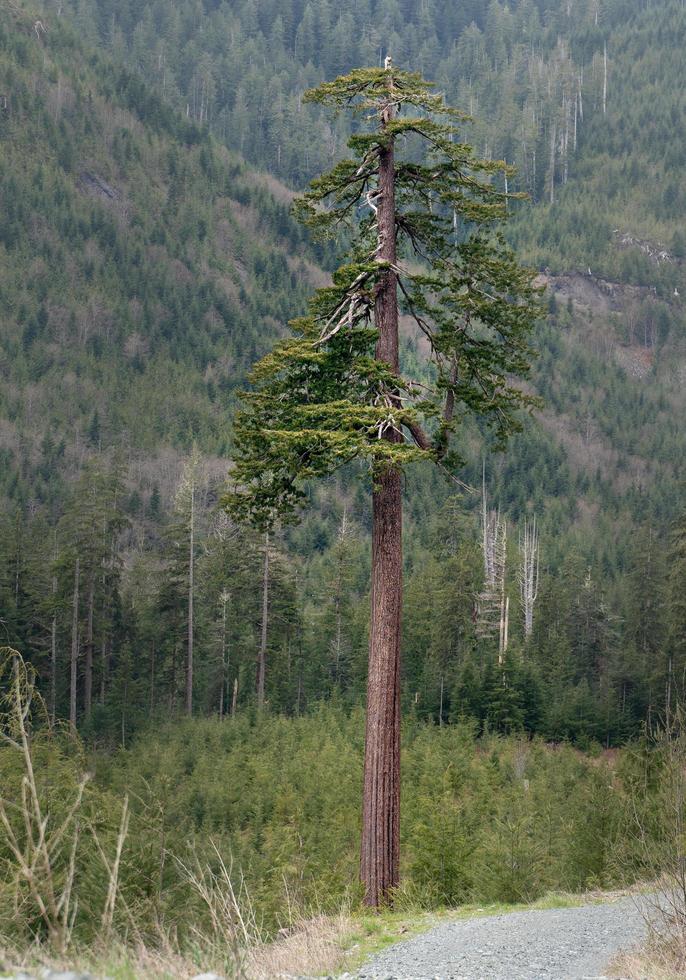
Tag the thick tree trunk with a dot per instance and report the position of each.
(380, 851)
(379, 866)
(262, 657)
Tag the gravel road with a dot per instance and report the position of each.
(538, 944)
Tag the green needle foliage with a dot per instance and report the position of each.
(321, 398)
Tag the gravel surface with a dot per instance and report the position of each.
(539, 944)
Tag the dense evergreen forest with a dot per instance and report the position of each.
(148, 157)
(579, 96)
(182, 696)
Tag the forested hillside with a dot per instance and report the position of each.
(580, 96)
(146, 264)
(144, 269)
(136, 253)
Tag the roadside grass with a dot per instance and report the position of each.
(323, 945)
(662, 955)
(119, 962)
(653, 961)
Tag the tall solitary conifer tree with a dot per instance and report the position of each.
(416, 209)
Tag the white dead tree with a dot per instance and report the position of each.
(605, 78)
(504, 625)
(493, 605)
(528, 572)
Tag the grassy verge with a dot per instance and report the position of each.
(319, 946)
(654, 961)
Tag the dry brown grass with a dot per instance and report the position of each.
(657, 960)
(118, 962)
(312, 947)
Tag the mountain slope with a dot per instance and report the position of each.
(583, 97)
(143, 267)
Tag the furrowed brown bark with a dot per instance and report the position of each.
(380, 851)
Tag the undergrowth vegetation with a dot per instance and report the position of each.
(239, 828)
(494, 819)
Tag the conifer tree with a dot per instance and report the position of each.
(417, 209)
(184, 532)
(676, 643)
(88, 568)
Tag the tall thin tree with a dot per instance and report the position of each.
(74, 660)
(264, 628)
(224, 597)
(191, 598)
(53, 634)
(184, 531)
(334, 391)
(528, 572)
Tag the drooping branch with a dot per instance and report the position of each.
(420, 321)
(420, 437)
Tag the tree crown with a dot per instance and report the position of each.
(322, 398)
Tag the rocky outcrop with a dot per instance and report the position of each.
(655, 251)
(590, 292)
(97, 187)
